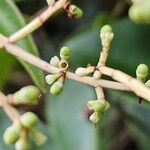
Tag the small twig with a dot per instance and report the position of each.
(51, 2)
(97, 74)
(133, 84)
(38, 21)
(100, 93)
(11, 112)
(19, 52)
(128, 82)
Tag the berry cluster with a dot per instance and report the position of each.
(18, 133)
(99, 105)
(57, 80)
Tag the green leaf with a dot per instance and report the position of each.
(11, 20)
(69, 128)
(6, 63)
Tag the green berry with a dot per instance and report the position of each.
(99, 106)
(106, 29)
(142, 72)
(57, 87)
(54, 61)
(11, 135)
(65, 53)
(134, 14)
(96, 105)
(148, 83)
(90, 104)
(84, 71)
(95, 117)
(27, 95)
(140, 12)
(106, 35)
(50, 79)
(38, 137)
(107, 105)
(29, 119)
(75, 11)
(22, 144)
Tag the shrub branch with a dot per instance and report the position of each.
(127, 83)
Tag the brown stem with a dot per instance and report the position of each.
(100, 93)
(128, 82)
(11, 112)
(133, 84)
(19, 52)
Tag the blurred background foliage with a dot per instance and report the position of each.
(126, 125)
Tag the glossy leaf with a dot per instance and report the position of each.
(11, 20)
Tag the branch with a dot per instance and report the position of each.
(38, 21)
(51, 2)
(100, 93)
(128, 83)
(11, 112)
(19, 52)
(133, 84)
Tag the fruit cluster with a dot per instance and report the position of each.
(57, 80)
(18, 132)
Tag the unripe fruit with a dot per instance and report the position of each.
(148, 83)
(11, 135)
(29, 119)
(90, 104)
(142, 72)
(140, 12)
(84, 71)
(106, 29)
(38, 137)
(106, 35)
(65, 53)
(75, 11)
(107, 105)
(50, 79)
(94, 117)
(54, 61)
(97, 105)
(22, 144)
(27, 95)
(57, 87)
